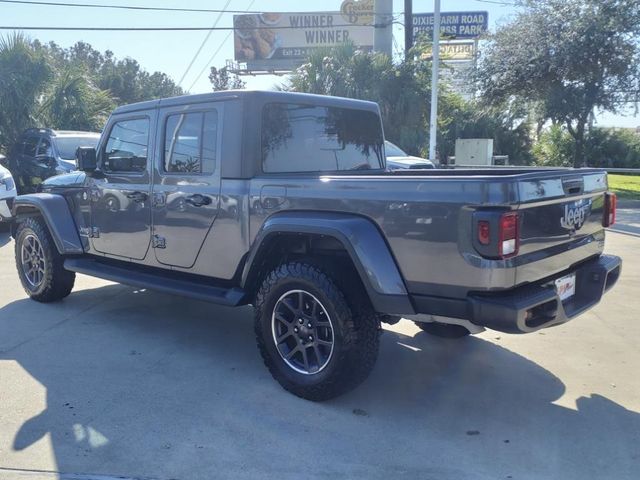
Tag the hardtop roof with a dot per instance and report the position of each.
(257, 95)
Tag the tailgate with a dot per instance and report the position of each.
(561, 222)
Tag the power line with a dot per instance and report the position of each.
(170, 29)
(497, 2)
(138, 7)
(206, 39)
(216, 52)
(123, 7)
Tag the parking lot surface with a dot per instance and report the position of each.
(118, 382)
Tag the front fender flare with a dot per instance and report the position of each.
(56, 214)
(363, 242)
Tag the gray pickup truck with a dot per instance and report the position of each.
(282, 201)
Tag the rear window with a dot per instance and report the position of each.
(306, 138)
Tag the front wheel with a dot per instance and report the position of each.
(314, 343)
(39, 264)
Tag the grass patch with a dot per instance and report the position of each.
(625, 186)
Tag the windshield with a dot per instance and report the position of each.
(392, 150)
(67, 146)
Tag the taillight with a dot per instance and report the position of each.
(484, 232)
(508, 239)
(609, 215)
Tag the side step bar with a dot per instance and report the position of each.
(159, 282)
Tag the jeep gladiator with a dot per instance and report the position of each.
(282, 201)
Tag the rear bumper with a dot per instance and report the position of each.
(532, 307)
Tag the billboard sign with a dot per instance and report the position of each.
(453, 51)
(452, 24)
(271, 38)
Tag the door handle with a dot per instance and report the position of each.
(137, 196)
(198, 200)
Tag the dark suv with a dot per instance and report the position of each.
(41, 153)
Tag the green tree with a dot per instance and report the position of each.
(127, 81)
(74, 103)
(403, 91)
(222, 79)
(613, 148)
(555, 147)
(44, 85)
(24, 76)
(566, 57)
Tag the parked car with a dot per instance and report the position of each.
(41, 153)
(338, 243)
(7, 195)
(398, 159)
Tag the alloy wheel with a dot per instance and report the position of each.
(33, 260)
(303, 332)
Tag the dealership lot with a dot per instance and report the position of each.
(119, 382)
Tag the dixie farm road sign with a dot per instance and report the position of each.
(452, 24)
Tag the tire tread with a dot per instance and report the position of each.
(58, 281)
(360, 334)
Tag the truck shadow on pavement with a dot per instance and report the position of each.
(142, 384)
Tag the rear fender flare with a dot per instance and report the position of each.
(56, 214)
(363, 242)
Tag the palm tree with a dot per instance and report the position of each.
(73, 102)
(24, 75)
(34, 92)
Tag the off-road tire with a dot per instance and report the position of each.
(443, 330)
(56, 282)
(355, 332)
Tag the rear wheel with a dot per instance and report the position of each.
(443, 330)
(313, 341)
(40, 266)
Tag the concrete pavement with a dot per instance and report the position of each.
(118, 382)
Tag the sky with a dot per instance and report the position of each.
(172, 52)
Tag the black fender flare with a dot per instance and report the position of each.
(363, 242)
(56, 214)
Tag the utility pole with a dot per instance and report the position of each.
(383, 27)
(435, 55)
(408, 26)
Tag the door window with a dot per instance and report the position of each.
(127, 146)
(190, 143)
(30, 145)
(44, 149)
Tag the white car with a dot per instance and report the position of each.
(398, 159)
(7, 194)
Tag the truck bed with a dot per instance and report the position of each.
(427, 219)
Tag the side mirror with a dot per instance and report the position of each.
(87, 159)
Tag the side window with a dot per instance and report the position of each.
(190, 143)
(310, 138)
(44, 149)
(127, 146)
(30, 145)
